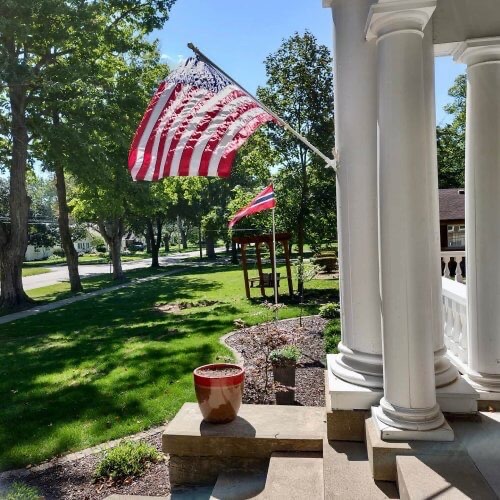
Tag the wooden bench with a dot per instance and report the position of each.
(267, 281)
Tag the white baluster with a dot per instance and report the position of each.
(446, 261)
(458, 271)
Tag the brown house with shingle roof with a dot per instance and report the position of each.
(452, 218)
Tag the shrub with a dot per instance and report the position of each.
(332, 336)
(100, 248)
(20, 491)
(58, 252)
(128, 459)
(330, 310)
(287, 355)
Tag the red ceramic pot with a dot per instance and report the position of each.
(218, 392)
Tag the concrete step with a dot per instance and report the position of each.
(348, 475)
(294, 476)
(257, 431)
(200, 451)
(441, 477)
(239, 485)
(191, 493)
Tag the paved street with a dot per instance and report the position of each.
(60, 273)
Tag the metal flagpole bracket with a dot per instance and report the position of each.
(329, 161)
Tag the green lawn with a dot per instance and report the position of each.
(62, 290)
(31, 271)
(112, 365)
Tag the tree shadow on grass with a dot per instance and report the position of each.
(100, 369)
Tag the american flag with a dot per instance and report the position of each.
(263, 201)
(193, 126)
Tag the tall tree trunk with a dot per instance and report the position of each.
(148, 241)
(14, 236)
(64, 229)
(210, 247)
(155, 241)
(234, 253)
(182, 232)
(166, 240)
(199, 240)
(112, 232)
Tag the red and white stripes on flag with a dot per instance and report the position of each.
(263, 201)
(193, 126)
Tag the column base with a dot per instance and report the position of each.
(387, 430)
(457, 397)
(445, 372)
(484, 382)
(358, 367)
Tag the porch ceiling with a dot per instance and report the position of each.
(458, 20)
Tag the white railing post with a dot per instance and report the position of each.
(455, 322)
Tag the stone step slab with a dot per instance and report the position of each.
(348, 476)
(257, 431)
(294, 476)
(441, 477)
(239, 485)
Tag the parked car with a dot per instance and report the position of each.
(136, 245)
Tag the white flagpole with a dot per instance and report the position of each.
(329, 161)
(274, 269)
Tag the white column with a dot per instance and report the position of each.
(360, 353)
(482, 209)
(445, 372)
(407, 255)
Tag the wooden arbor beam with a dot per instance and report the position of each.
(283, 238)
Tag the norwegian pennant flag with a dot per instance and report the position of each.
(193, 126)
(263, 201)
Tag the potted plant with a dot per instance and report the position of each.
(284, 362)
(219, 390)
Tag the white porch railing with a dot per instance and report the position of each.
(455, 322)
(449, 258)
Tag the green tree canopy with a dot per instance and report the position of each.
(299, 89)
(451, 138)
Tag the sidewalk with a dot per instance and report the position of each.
(77, 298)
(60, 274)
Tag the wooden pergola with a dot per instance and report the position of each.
(262, 281)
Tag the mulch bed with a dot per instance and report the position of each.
(73, 480)
(310, 373)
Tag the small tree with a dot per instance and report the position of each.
(304, 271)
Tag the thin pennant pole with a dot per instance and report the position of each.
(274, 267)
(329, 161)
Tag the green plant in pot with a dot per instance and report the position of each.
(284, 362)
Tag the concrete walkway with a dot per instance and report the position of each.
(60, 274)
(77, 298)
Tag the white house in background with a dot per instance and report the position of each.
(37, 253)
(83, 245)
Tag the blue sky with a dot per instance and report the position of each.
(238, 35)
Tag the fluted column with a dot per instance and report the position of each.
(408, 409)
(482, 209)
(360, 353)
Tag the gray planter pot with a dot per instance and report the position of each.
(285, 375)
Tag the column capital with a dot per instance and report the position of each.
(478, 51)
(389, 16)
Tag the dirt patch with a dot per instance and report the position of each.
(178, 307)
